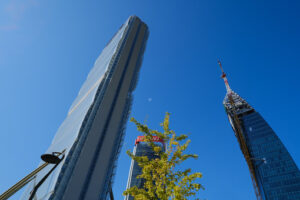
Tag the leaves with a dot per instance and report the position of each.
(162, 178)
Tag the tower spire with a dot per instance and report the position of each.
(229, 91)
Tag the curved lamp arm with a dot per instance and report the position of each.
(52, 158)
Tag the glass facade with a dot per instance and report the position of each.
(140, 149)
(278, 177)
(93, 130)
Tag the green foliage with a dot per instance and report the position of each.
(163, 179)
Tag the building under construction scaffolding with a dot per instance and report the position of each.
(274, 173)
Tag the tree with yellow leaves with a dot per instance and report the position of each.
(161, 177)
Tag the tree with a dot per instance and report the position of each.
(162, 178)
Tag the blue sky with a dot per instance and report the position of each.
(48, 47)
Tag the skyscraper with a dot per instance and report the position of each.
(274, 173)
(91, 135)
(141, 148)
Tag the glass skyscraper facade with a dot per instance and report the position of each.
(274, 173)
(141, 149)
(92, 133)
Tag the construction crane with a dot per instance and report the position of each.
(240, 136)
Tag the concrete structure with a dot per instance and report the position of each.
(92, 133)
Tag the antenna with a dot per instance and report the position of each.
(220, 64)
(236, 124)
(223, 76)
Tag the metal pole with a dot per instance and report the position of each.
(15, 188)
(43, 179)
(111, 194)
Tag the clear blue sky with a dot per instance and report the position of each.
(48, 47)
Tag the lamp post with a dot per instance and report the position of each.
(111, 194)
(49, 159)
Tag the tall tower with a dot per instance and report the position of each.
(90, 137)
(273, 171)
(141, 148)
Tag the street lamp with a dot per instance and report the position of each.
(49, 159)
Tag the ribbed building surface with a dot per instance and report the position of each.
(92, 133)
(276, 174)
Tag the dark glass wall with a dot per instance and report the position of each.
(277, 174)
(141, 149)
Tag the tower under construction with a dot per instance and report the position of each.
(274, 174)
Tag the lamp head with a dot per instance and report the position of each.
(50, 158)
